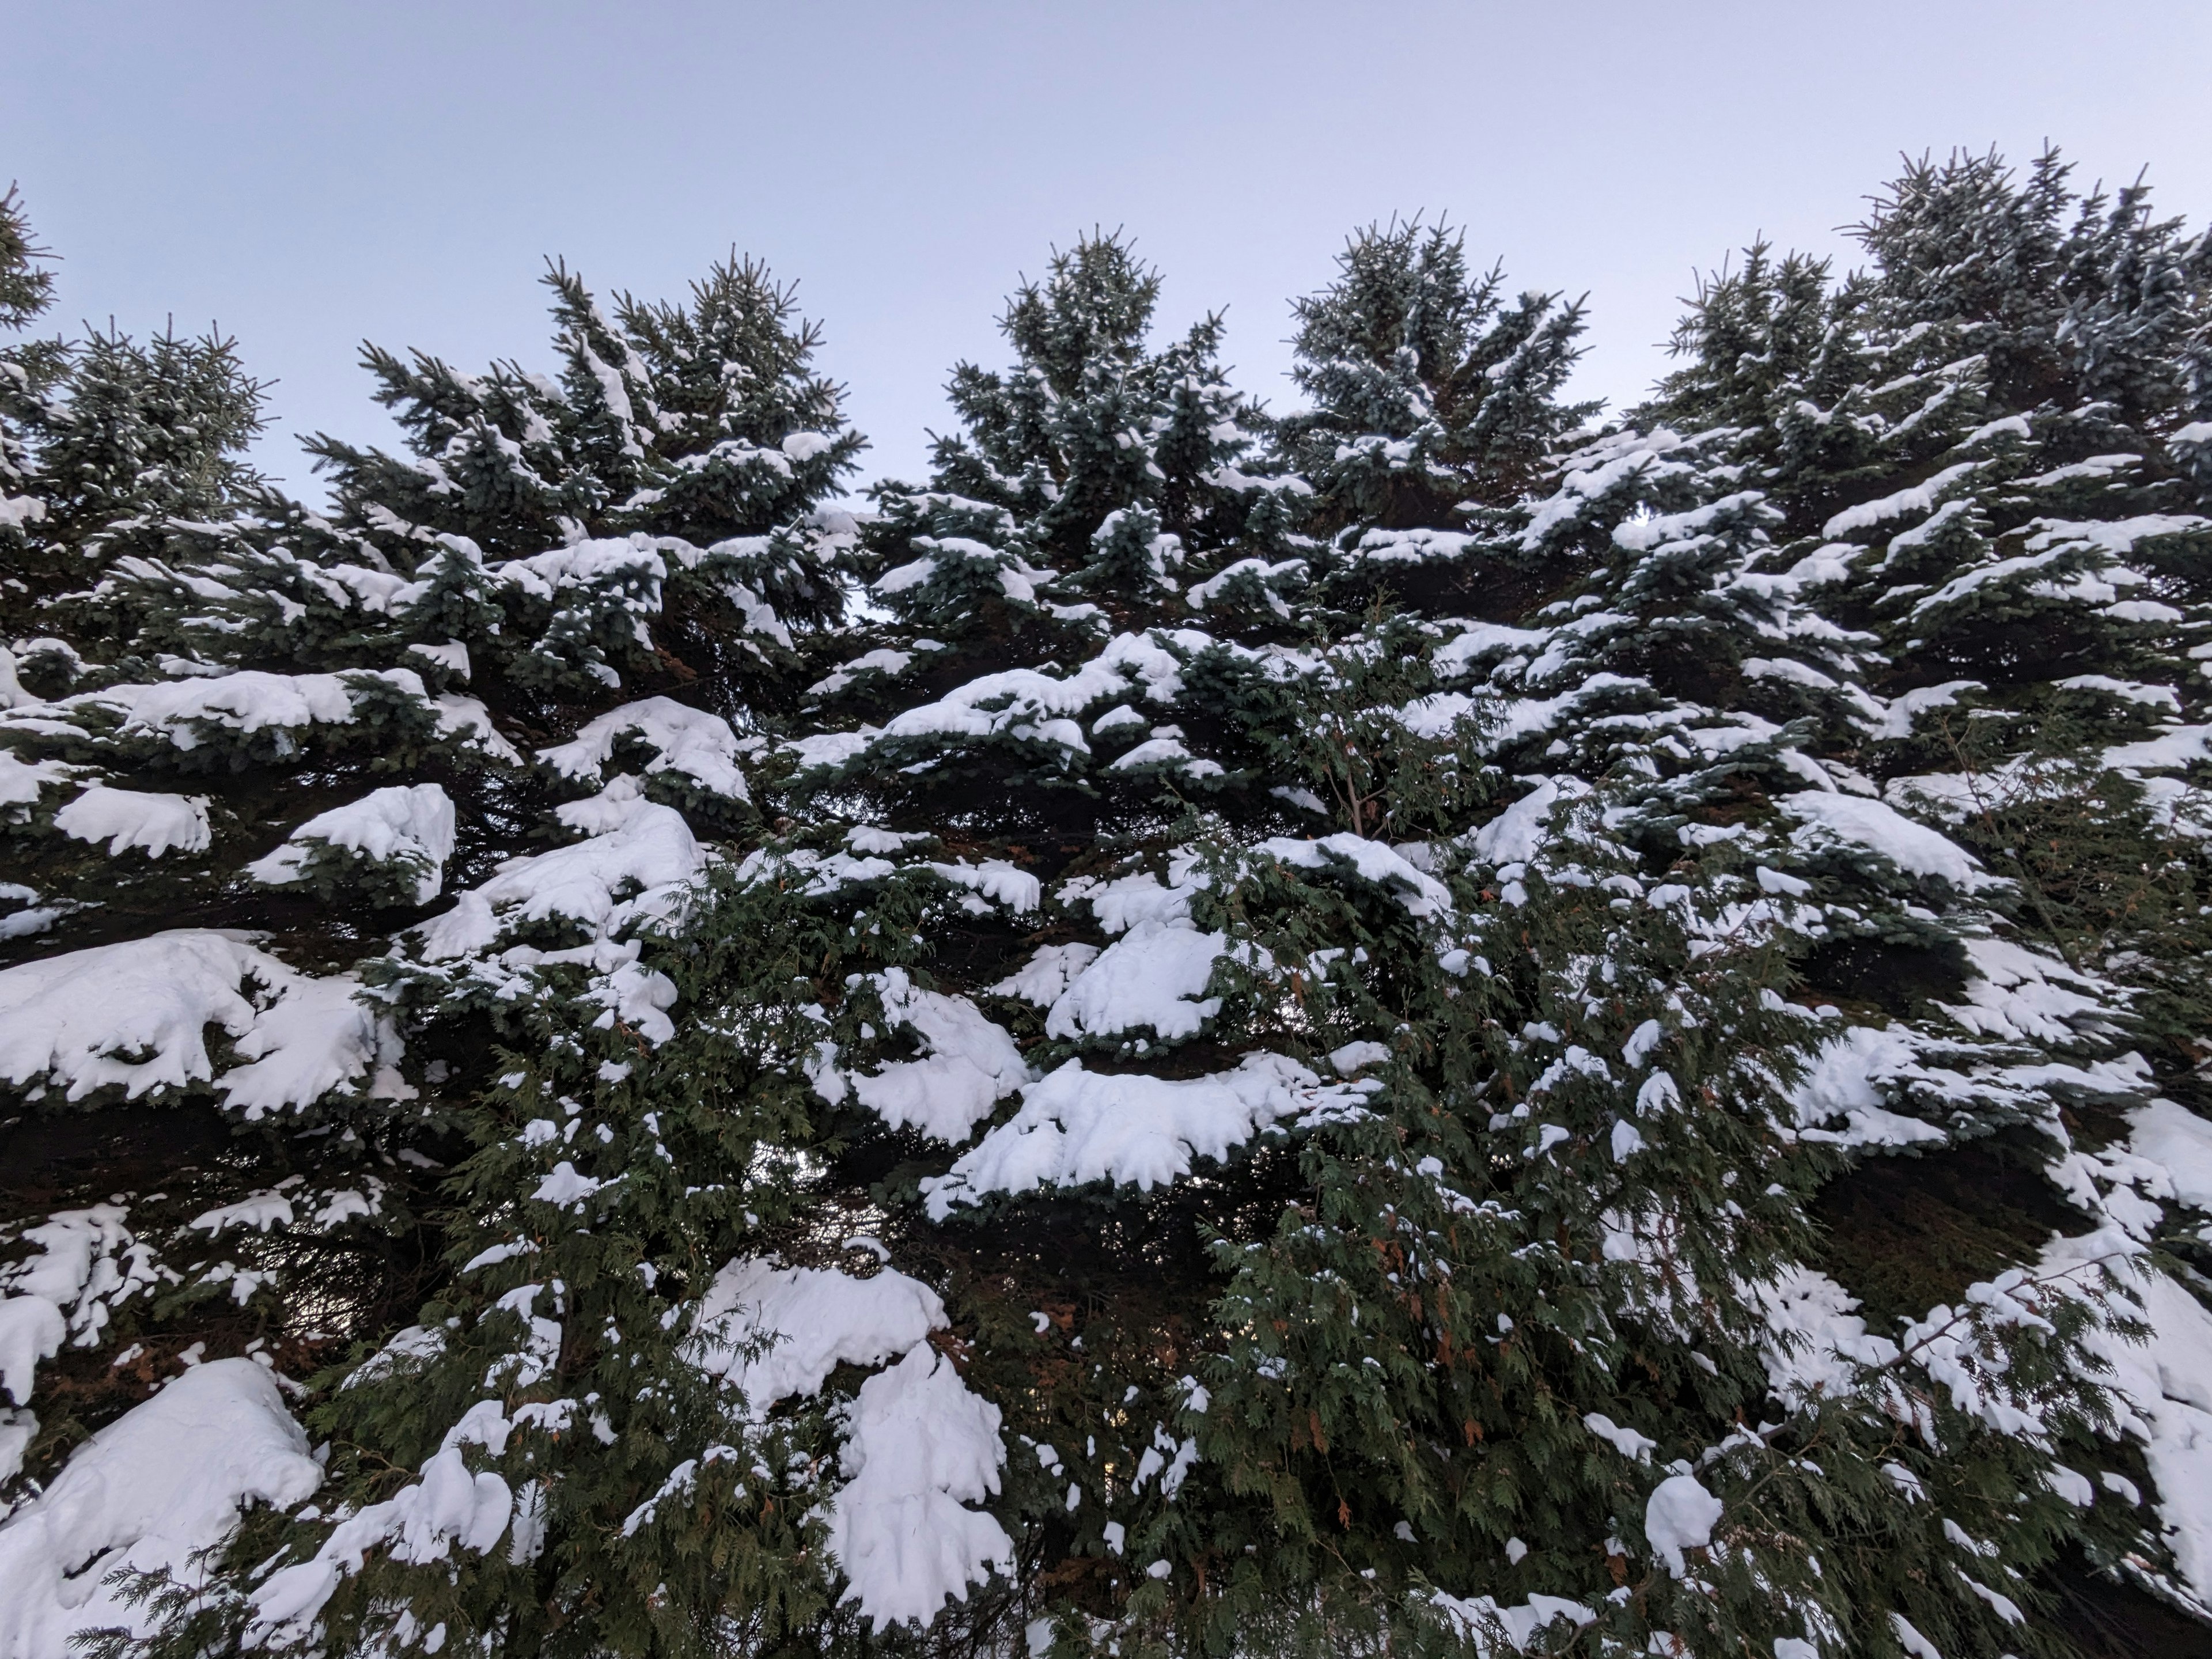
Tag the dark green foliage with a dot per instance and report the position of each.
(1466, 1034)
(1429, 390)
(227, 658)
(108, 438)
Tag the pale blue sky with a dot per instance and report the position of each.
(310, 175)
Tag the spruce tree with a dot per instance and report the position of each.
(1425, 1025)
(26, 292)
(1642, 711)
(121, 449)
(320, 810)
(1433, 401)
(1971, 451)
(1096, 487)
(1042, 1058)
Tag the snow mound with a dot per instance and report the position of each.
(880, 661)
(1679, 1515)
(1421, 894)
(1826, 818)
(2170, 1379)
(970, 1064)
(31, 1330)
(1122, 901)
(449, 1504)
(1043, 978)
(1154, 976)
(1845, 1080)
(2019, 994)
(185, 712)
(165, 1479)
(124, 818)
(699, 744)
(1077, 1126)
(2176, 1138)
(600, 883)
(134, 1015)
(777, 1332)
(1485, 1625)
(1027, 703)
(1521, 832)
(1165, 752)
(996, 881)
(1816, 1343)
(22, 781)
(2161, 1387)
(88, 1262)
(920, 1448)
(410, 825)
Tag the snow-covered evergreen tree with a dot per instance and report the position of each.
(107, 439)
(26, 292)
(1098, 486)
(1983, 1028)
(317, 811)
(1039, 1057)
(1432, 401)
(1426, 1025)
(111, 995)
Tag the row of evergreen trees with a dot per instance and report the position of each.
(1434, 1021)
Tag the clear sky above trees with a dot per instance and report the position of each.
(309, 178)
